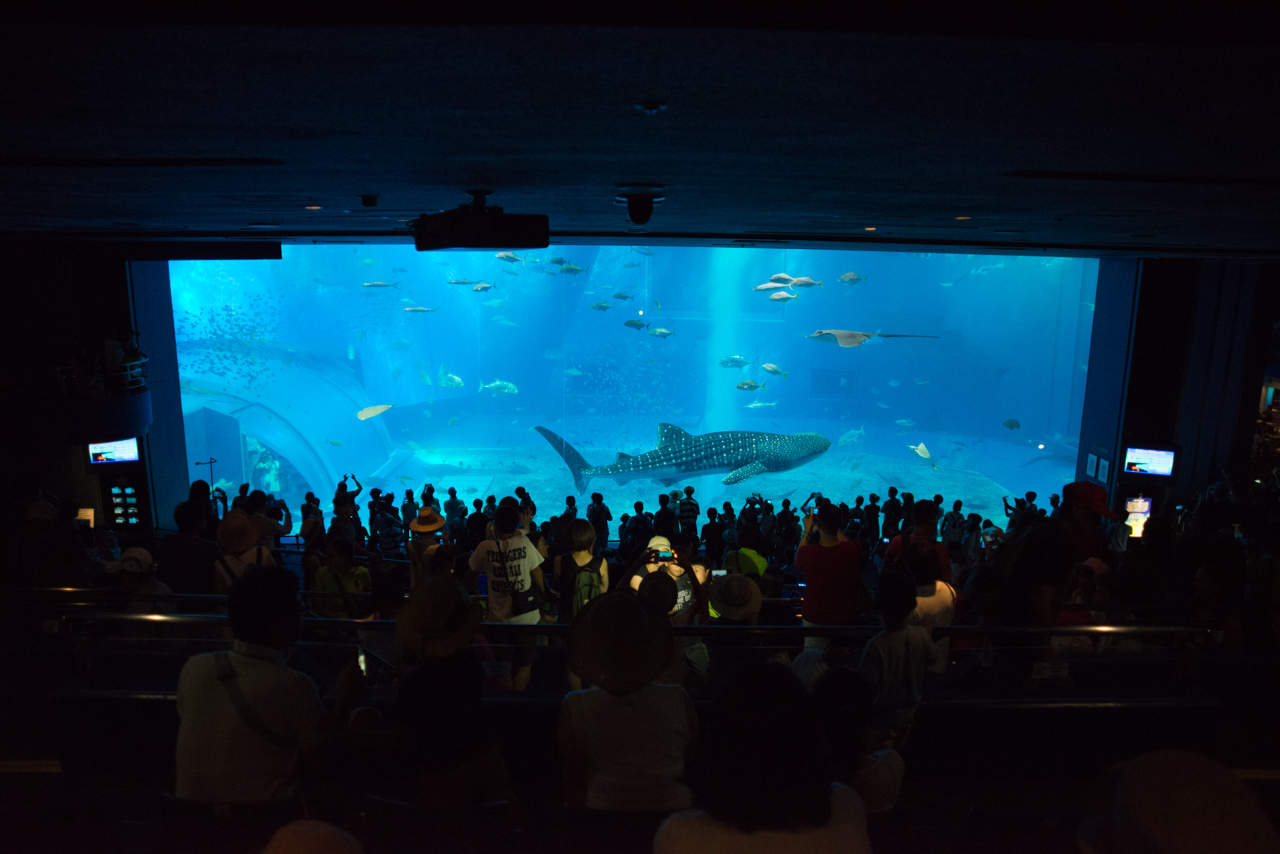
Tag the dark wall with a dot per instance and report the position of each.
(1115, 308)
(59, 304)
(166, 446)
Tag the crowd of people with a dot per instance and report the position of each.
(631, 742)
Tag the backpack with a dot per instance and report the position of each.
(581, 589)
(586, 586)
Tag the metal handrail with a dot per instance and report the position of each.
(560, 629)
(115, 380)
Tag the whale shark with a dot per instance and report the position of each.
(680, 454)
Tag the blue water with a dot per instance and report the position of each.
(276, 358)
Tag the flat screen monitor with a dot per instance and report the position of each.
(1139, 510)
(1148, 461)
(124, 451)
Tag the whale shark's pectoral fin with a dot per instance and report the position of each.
(668, 481)
(741, 474)
(621, 457)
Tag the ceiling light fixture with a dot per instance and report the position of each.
(869, 228)
(962, 217)
(314, 208)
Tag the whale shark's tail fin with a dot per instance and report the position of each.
(570, 455)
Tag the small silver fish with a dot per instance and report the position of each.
(660, 332)
(601, 306)
(481, 287)
(781, 278)
(381, 285)
(806, 282)
(759, 404)
(509, 257)
(783, 296)
(499, 387)
(751, 385)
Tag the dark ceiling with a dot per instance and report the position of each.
(1089, 147)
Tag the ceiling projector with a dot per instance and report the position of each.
(477, 226)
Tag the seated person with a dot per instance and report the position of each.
(247, 722)
(735, 601)
(436, 720)
(137, 574)
(763, 777)
(625, 742)
(846, 703)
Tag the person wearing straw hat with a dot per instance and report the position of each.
(436, 719)
(424, 529)
(238, 537)
(625, 743)
(137, 574)
(735, 600)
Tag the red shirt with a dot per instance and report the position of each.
(833, 592)
(893, 558)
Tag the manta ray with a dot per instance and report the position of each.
(847, 338)
(679, 454)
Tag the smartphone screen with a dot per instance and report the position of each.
(363, 662)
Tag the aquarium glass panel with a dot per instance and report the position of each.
(959, 375)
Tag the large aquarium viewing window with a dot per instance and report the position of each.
(782, 371)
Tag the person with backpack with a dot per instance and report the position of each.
(580, 575)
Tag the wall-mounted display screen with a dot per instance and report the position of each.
(124, 451)
(1139, 510)
(1148, 461)
(635, 370)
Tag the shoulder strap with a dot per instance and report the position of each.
(225, 568)
(227, 676)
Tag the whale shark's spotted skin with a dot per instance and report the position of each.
(741, 453)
